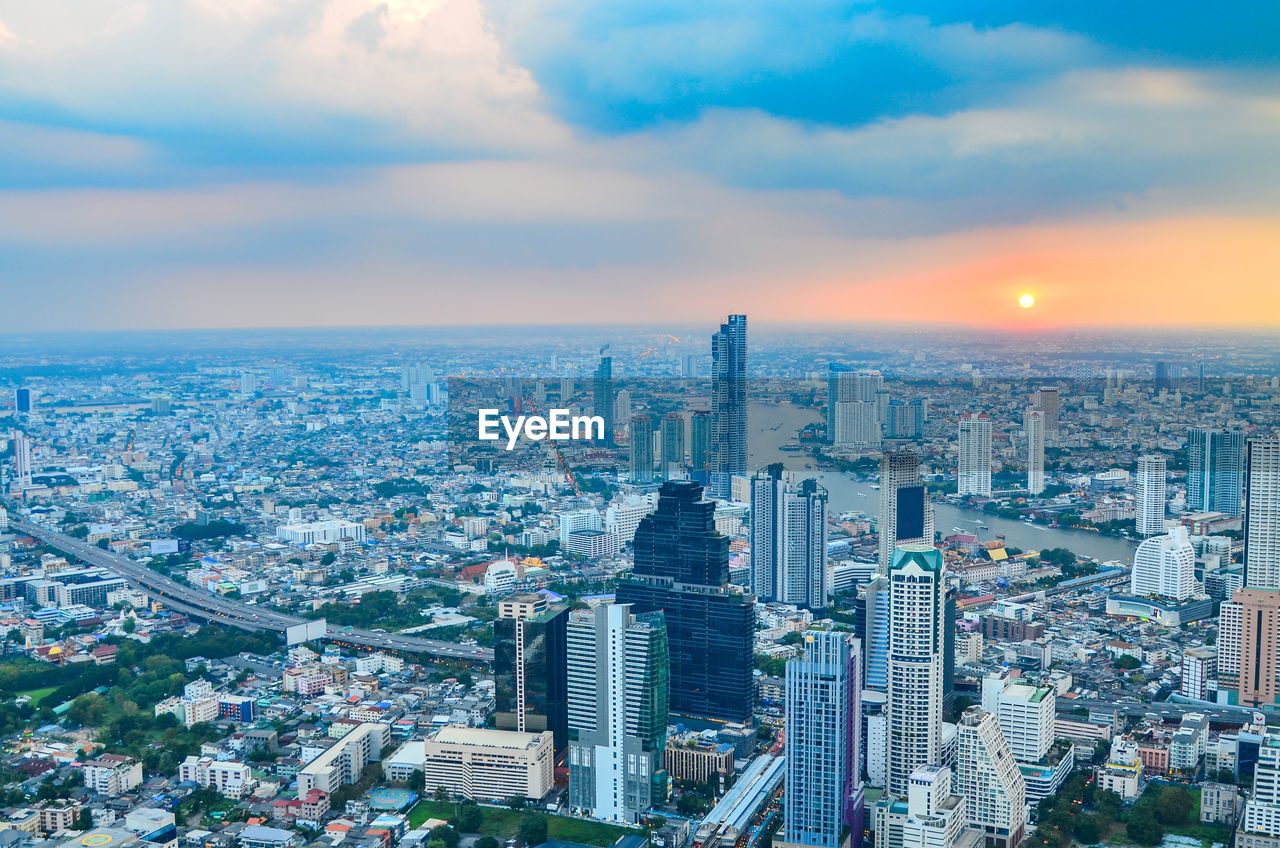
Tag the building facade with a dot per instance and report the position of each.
(788, 539)
(531, 681)
(727, 451)
(973, 465)
(917, 611)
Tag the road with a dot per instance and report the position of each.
(209, 607)
(1167, 710)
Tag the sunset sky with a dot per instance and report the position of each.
(242, 163)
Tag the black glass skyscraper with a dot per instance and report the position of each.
(602, 395)
(682, 568)
(531, 676)
(728, 448)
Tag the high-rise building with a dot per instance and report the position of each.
(21, 458)
(1165, 566)
(699, 441)
(622, 405)
(728, 438)
(602, 395)
(682, 568)
(1168, 376)
(248, 383)
(618, 697)
(841, 388)
(1033, 423)
(641, 465)
(929, 815)
(1262, 514)
(988, 777)
(1215, 470)
(906, 420)
(1047, 398)
(1150, 506)
(973, 472)
(823, 782)
(672, 467)
(1248, 647)
(1199, 667)
(916, 622)
(906, 515)
(22, 400)
(529, 668)
(1024, 713)
(788, 539)
(874, 603)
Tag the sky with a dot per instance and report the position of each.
(257, 163)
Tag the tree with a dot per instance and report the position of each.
(417, 780)
(441, 794)
(84, 821)
(329, 558)
(470, 817)
(1087, 828)
(486, 842)
(1143, 828)
(445, 834)
(533, 828)
(1101, 750)
(1126, 662)
(1174, 805)
(130, 625)
(516, 802)
(1226, 775)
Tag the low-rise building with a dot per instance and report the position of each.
(112, 774)
(489, 764)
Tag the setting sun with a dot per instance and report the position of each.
(1026, 301)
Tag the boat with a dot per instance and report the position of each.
(983, 527)
(862, 494)
(875, 485)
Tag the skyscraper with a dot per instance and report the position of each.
(529, 668)
(682, 568)
(641, 465)
(988, 777)
(841, 388)
(1151, 495)
(875, 634)
(1168, 376)
(1034, 424)
(21, 458)
(602, 394)
(1262, 514)
(618, 696)
(672, 467)
(857, 424)
(906, 515)
(1215, 470)
(22, 400)
(1048, 399)
(248, 384)
(788, 539)
(1165, 566)
(973, 474)
(823, 789)
(1248, 650)
(728, 438)
(916, 622)
(699, 442)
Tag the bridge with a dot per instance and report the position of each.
(199, 604)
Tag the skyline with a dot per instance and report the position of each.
(234, 163)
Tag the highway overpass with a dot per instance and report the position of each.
(203, 605)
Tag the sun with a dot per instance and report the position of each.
(1027, 301)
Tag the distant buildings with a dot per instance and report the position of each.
(641, 464)
(1033, 422)
(22, 399)
(671, 466)
(917, 607)
(906, 516)
(619, 689)
(823, 709)
(1165, 566)
(1215, 470)
(1151, 495)
(112, 774)
(21, 459)
(322, 532)
(788, 539)
(530, 674)
(973, 473)
(602, 395)
(343, 762)
(1199, 667)
(728, 437)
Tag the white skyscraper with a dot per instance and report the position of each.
(906, 514)
(857, 424)
(973, 472)
(21, 458)
(1034, 424)
(788, 539)
(248, 383)
(1165, 566)
(1026, 718)
(917, 610)
(1262, 515)
(1151, 495)
(988, 777)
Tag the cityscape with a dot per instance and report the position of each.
(584, 424)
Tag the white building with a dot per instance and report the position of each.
(987, 776)
(1262, 514)
(1262, 810)
(973, 467)
(932, 817)
(1151, 495)
(490, 764)
(345, 759)
(906, 513)
(1033, 422)
(857, 424)
(1025, 714)
(1199, 669)
(234, 780)
(112, 774)
(321, 532)
(578, 520)
(21, 458)
(1165, 566)
(916, 622)
(500, 578)
(622, 517)
(788, 539)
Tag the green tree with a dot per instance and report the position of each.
(445, 834)
(84, 821)
(1126, 662)
(441, 794)
(1087, 828)
(533, 828)
(417, 780)
(130, 625)
(1143, 828)
(516, 802)
(470, 817)
(486, 842)
(329, 558)
(1174, 805)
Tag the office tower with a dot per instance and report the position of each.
(602, 394)
(248, 383)
(161, 405)
(906, 420)
(1215, 470)
(641, 467)
(699, 441)
(529, 668)
(875, 634)
(1024, 713)
(618, 696)
(1262, 514)
(566, 389)
(906, 516)
(788, 539)
(823, 784)
(21, 458)
(883, 398)
(727, 450)
(988, 777)
(22, 400)
(1260, 824)
(622, 405)
(916, 622)
(688, 365)
(1034, 424)
(973, 474)
(1199, 667)
(1047, 398)
(682, 568)
(672, 467)
(1151, 495)
(857, 425)
(841, 388)
(1165, 566)
(1168, 376)
(1248, 653)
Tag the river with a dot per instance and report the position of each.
(770, 427)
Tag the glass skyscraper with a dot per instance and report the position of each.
(682, 569)
(728, 447)
(1215, 470)
(602, 395)
(529, 673)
